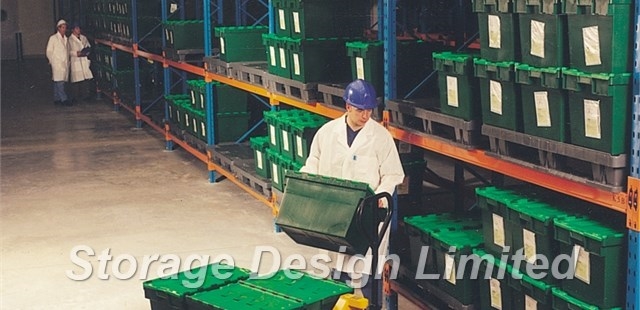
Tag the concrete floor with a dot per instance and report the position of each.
(82, 176)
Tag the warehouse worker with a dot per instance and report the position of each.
(355, 147)
(81, 75)
(58, 55)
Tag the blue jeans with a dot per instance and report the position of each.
(58, 91)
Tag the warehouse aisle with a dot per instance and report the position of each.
(77, 181)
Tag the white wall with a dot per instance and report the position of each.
(34, 19)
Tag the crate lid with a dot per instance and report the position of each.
(454, 56)
(259, 142)
(364, 44)
(175, 284)
(495, 261)
(502, 64)
(526, 67)
(243, 296)
(586, 78)
(538, 210)
(559, 293)
(592, 229)
(503, 196)
(301, 286)
(446, 221)
(462, 240)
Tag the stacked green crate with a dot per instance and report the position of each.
(260, 145)
(544, 101)
(563, 301)
(420, 229)
(303, 131)
(451, 247)
(493, 203)
(284, 132)
(175, 105)
(277, 55)
(197, 93)
(543, 33)
(318, 60)
(494, 277)
(172, 292)
(458, 87)
(499, 94)
(184, 34)
(599, 110)
(241, 296)
(498, 28)
(241, 43)
(600, 35)
(279, 166)
(529, 293)
(598, 260)
(314, 292)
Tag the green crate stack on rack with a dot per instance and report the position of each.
(304, 19)
(544, 101)
(457, 84)
(600, 35)
(243, 43)
(498, 28)
(176, 105)
(543, 33)
(277, 55)
(598, 254)
(184, 34)
(493, 278)
(599, 110)
(499, 94)
(173, 291)
(260, 145)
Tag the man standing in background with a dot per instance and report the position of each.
(58, 55)
(81, 75)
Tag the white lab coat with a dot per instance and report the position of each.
(58, 55)
(80, 70)
(372, 158)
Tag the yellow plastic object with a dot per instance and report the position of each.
(351, 302)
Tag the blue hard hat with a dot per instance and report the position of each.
(361, 95)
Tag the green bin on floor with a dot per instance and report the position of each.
(321, 212)
(242, 296)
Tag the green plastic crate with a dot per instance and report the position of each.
(184, 34)
(499, 94)
(278, 165)
(499, 36)
(303, 131)
(231, 126)
(318, 60)
(242, 296)
(544, 102)
(532, 231)
(543, 40)
(260, 146)
(494, 278)
(197, 92)
(599, 106)
(367, 62)
(282, 17)
(464, 288)
(549, 7)
(175, 103)
(496, 230)
(420, 228)
(530, 294)
(271, 119)
(315, 293)
(600, 35)
(199, 124)
(564, 301)
(277, 55)
(458, 87)
(243, 43)
(599, 252)
(321, 212)
(327, 18)
(493, 6)
(168, 293)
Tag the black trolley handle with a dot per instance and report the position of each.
(373, 235)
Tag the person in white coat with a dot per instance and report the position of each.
(58, 56)
(81, 76)
(356, 147)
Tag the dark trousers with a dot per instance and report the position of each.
(82, 90)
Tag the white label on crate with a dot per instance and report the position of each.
(283, 24)
(166, 34)
(299, 149)
(195, 125)
(285, 140)
(259, 159)
(582, 263)
(178, 115)
(170, 35)
(498, 230)
(537, 38)
(360, 68)
(530, 303)
(403, 188)
(222, 49)
(202, 103)
(450, 268)
(592, 119)
(529, 240)
(495, 97)
(272, 134)
(496, 293)
(173, 7)
(203, 129)
(591, 42)
(452, 91)
(296, 22)
(193, 97)
(296, 64)
(272, 55)
(186, 119)
(283, 58)
(170, 111)
(494, 31)
(274, 173)
(543, 117)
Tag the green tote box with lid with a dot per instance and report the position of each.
(458, 87)
(493, 203)
(242, 43)
(499, 94)
(277, 55)
(260, 146)
(242, 295)
(599, 106)
(494, 277)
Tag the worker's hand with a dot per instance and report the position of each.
(382, 203)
